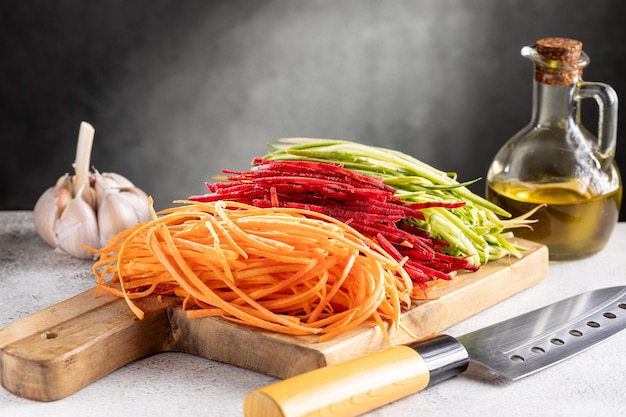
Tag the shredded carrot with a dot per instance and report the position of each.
(287, 270)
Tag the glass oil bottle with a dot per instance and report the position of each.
(555, 161)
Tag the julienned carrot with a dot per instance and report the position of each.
(282, 269)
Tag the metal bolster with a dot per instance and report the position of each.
(444, 355)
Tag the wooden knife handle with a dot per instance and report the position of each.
(362, 384)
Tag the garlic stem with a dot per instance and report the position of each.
(83, 155)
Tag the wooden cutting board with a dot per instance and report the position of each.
(55, 352)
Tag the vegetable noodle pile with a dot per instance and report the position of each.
(286, 270)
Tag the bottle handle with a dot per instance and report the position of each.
(606, 98)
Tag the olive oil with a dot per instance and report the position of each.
(573, 225)
(555, 160)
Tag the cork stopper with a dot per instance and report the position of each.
(564, 50)
(565, 53)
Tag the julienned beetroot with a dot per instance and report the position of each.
(363, 202)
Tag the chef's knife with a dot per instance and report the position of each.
(513, 348)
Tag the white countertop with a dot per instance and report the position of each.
(33, 276)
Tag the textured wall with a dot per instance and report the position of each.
(179, 90)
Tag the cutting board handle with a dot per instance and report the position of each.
(57, 351)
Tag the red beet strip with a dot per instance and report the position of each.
(366, 203)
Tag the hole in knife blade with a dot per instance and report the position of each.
(593, 324)
(576, 333)
(557, 342)
(516, 358)
(609, 315)
(622, 306)
(537, 349)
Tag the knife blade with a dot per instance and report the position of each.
(513, 348)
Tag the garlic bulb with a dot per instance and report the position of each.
(88, 209)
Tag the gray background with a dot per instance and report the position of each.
(178, 90)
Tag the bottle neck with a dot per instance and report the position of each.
(553, 105)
